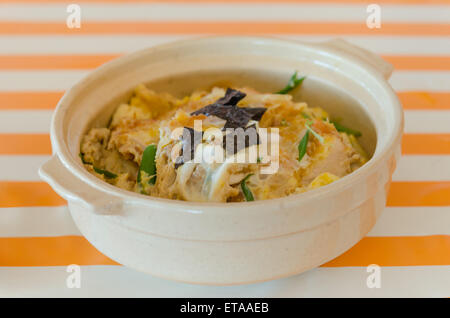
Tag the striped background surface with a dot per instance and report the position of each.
(40, 58)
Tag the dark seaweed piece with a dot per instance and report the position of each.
(226, 108)
(234, 141)
(237, 118)
(217, 110)
(232, 97)
(190, 139)
(255, 112)
(241, 138)
(222, 106)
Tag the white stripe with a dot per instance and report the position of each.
(56, 221)
(423, 168)
(39, 80)
(427, 121)
(25, 121)
(225, 12)
(118, 281)
(36, 222)
(91, 44)
(38, 121)
(420, 80)
(410, 168)
(21, 168)
(413, 221)
(115, 44)
(64, 79)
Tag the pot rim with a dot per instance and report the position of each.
(60, 148)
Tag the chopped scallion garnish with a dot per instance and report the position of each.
(294, 81)
(148, 164)
(319, 137)
(342, 128)
(106, 173)
(302, 146)
(245, 189)
(83, 160)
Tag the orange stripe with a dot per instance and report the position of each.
(20, 194)
(17, 194)
(29, 100)
(336, 28)
(424, 100)
(397, 251)
(25, 144)
(426, 144)
(425, 193)
(39, 144)
(48, 100)
(434, 63)
(50, 251)
(384, 251)
(50, 62)
(404, 2)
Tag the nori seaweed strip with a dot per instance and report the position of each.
(190, 140)
(215, 109)
(226, 108)
(255, 112)
(232, 97)
(236, 144)
(236, 117)
(222, 106)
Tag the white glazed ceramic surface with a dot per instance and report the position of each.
(229, 243)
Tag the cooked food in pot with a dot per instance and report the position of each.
(221, 145)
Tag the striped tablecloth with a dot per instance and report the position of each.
(40, 57)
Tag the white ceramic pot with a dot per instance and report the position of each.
(231, 243)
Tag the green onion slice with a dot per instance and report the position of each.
(106, 173)
(319, 137)
(342, 128)
(148, 164)
(302, 146)
(245, 189)
(294, 81)
(305, 115)
(83, 160)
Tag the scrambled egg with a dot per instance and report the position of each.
(114, 153)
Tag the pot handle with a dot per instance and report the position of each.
(71, 188)
(372, 59)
